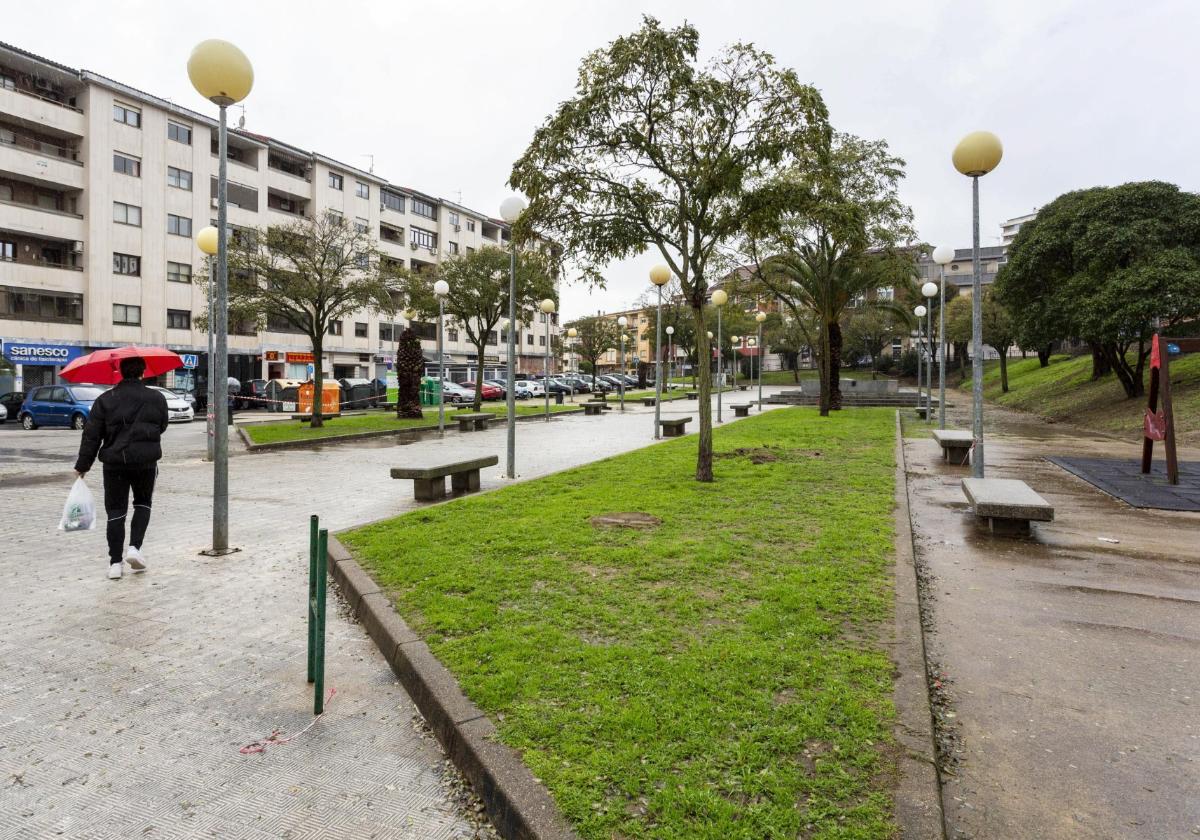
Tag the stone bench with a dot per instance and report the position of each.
(473, 422)
(956, 445)
(743, 387)
(693, 395)
(1007, 504)
(674, 428)
(429, 482)
(742, 410)
(594, 409)
(649, 401)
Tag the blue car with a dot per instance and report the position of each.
(59, 405)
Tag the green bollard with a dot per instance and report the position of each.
(312, 593)
(319, 610)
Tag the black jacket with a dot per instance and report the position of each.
(125, 426)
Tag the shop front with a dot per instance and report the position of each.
(39, 363)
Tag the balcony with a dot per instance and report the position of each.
(391, 235)
(285, 204)
(41, 222)
(40, 263)
(30, 164)
(42, 110)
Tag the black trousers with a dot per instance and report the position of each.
(118, 481)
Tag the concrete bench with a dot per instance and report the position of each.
(1007, 504)
(429, 482)
(473, 422)
(693, 395)
(674, 428)
(743, 387)
(956, 445)
(742, 410)
(649, 401)
(594, 409)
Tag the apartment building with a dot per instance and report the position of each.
(102, 189)
(1011, 227)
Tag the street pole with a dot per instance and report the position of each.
(942, 354)
(760, 361)
(547, 367)
(976, 337)
(622, 378)
(929, 368)
(208, 413)
(511, 396)
(220, 526)
(720, 366)
(441, 369)
(658, 367)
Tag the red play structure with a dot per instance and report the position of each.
(1160, 424)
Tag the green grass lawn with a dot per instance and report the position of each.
(375, 421)
(1064, 392)
(719, 676)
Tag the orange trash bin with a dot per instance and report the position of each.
(331, 397)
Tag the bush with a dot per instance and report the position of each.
(908, 363)
(884, 364)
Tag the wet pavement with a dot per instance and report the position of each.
(1066, 663)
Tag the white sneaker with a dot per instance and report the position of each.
(135, 559)
(114, 570)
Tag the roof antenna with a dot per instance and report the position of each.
(372, 169)
(242, 118)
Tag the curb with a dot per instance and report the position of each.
(414, 431)
(918, 805)
(519, 806)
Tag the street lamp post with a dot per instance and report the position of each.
(760, 317)
(222, 74)
(719, 299)
(735, 343)
(977, 154)
(670, 355)
(440, 289)
(920, 311)
(622, 323)
(942, 254)
(206, 241)
(929, 290)
(510, 211)
(659, 276)
(751, 343)
(548, 310)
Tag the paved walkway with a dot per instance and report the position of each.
(1068, 659)
(123, 704)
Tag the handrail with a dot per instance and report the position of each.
(45, 99)
(34, 145)
(42, 209)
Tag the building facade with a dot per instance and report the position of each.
(102, 190)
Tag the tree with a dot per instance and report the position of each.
(998, 330)
(838, 243)
(958, 329)
(478, 297)
(657, 152)
(1108, 265)
(304, 276)
(596, 335)
(872, 330)
(410, 364)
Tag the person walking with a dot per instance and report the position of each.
(125, 429)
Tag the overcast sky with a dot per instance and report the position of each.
(447, 95)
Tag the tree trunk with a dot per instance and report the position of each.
(834, 331)
(1043, 355)
(1003, 351)
(823, 375)
(1117, 363)
(479, 377)
(1101, 365)
(318, 382)
(704, 457)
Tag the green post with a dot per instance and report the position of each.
(312, 593)
(319, 609)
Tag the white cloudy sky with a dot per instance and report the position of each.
(446, 95)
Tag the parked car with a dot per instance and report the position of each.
(499, 383)
(452, 392)
(529, 388)
(59, 405)
(3, 413)
(581, 385)
(187, 395)
(179, 410)
(488, 391)
(12, 403)
(252, 394)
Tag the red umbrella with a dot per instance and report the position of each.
(104, 366)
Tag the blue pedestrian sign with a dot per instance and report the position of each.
(189, 360)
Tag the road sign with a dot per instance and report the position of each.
(189, 360)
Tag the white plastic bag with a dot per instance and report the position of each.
(79, 513)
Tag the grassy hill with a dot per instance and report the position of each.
(1064, 392)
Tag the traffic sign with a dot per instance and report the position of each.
(189, 360)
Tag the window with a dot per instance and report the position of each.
(529, 338)
(179, 272)
(453, 247)
(424, 238)
(424, 208)
(452, 218)
(542, 317)
(335, 180)
(8, 82)
(130, 316)
(471, 225)
(179, 225)
(8, 250)
(180, 178)
(423, 330)
(335, 328)
(360, 329)
(127, 165)
(542, 340)
(470, 250)
(179, 133)
(385, 331)
(127, 214)
(127, 264)
(362, 190)
(6, 192)
(492, 337)
(335, 217)
(127, 114)
(452, 335)
(361, 225)
(885, 293)
(39, 305)
(179, 319)
(392, 201)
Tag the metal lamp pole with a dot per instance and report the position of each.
(735, 341)
(942, 255)
(659, 275)
(719, 298)
(977, 154)
(929, 368)
(510, 211)
(760, 317)
(221, 73)
(622, 322)
(670, 355)
(547, 310)
(919, 310)
(440, 289)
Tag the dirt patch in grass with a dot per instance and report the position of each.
(641, 521)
